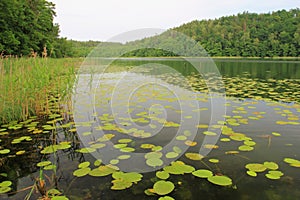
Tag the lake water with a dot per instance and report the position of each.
(241, 112)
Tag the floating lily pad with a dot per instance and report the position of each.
(154, 162)
(49, 149)
(86, 150)
(292, 162)
(166, 198)
(271, 165)
(162, 175)
(50, 167)
(82, 172)
(43, 163)
(225, 140)
(5, 184)
(120, 146)
(102, 171)
(124, 157)
(276, 134)
(4, 151)
(120, 184)
(209, 133)
(98, 146)
(190, 143)
(114, 161)
(97, 162)
(252, 173)
(214, 160)
(84, 164)
(127, 149)
(172, 155)
(249, 143)
(202, 173)
(133, 177)
(147, 146)
(179, 167)
(274, 175)
(153, 155)
(256, 167)
(245, 148)
(194, 156)
(125, 140)
(220, 180)
(20, 152)
(4, 189)
(181, 137)
(163, 187)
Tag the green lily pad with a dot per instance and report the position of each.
(225, 140)
(249, 143)
(153, 155)
(120, 146)
(133, 177)
(120, 184)
(179, 167)
(114, 161)
(154, 162)
(209, 133)
(98, 146)
(86, 150)
(102, 171)
(59, 198)
(291, 161)
(172, 155)
(252, 173)
(181, 137)
(220, 180)
(162, 175)
(202, 173)
(124, 157)
(245, 148)
(163, 187)
(4, 151)
(50, 167)
(5, 184)
(214, 160)
(127, 149)
(84, 164)
(271, 165)
(50, 149)
(256, 167)
(147, 146)
(276, 134)
(97, 163)
(194, 156)
(176, 149)
(166, 198)
(81, 172)
(4, 189)
(43, 163)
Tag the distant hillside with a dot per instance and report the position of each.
(247, 35)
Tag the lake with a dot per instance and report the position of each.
(164, 128)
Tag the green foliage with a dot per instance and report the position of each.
(248, 34)
(27, 25)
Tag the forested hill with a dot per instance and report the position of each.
(248, 34)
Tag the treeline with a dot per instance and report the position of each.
(26, 28)
(248, 34)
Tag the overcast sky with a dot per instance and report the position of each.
(101, 20)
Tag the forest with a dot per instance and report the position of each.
(27, 27)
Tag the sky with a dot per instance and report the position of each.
(101, 20)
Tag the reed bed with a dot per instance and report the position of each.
(27, 85)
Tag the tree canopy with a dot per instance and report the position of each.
(27, 25)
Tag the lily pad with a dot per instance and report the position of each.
(81, 172)
(43, 163)
(214, 160)
(245, 148)
(120, 184)
(162, 175)
(163, 187)
(194, 156)
(4, 151)
(179, 167)
(220, 180)
(256, 167)
(252, 173)
(271, 165)
(102, 171)
(154, 162)
(84, 164)
(166, 198)
(202, 173)
(172, 155)
(133, 177)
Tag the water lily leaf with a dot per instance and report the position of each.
(147, 146)
(220, 180)
(245, 148)
(86, 150)
(120, 146)
(50, 167)
(172, 155)
(271, 165)
(154, 162)
(97, 163)
(181, 138)
(202, 173)
(225, 140)
(59, 198)
(114, 161)
(149, 192)
(276, 134)
(157, 148)
(190, 143)
(102, 171)
(162, 175)
(84, 164)
(82, 172)
(124, 157)
(5, 184)
(4, 189)
(120, 184)
(291, 161)
(232, 152)
(125, 140)
(177, 149)
(194, 156)
(49, 149)
(153, 155)
(163, 187)
(256, 167)
(252, 173)
(133, 177)
(43, 163)
(98, 146)
(213, 160)
(249, 143)
(127, 149)
(209, 133)
(4, 151)
(179, 167)
(211, 146)
(166, 198)
(20, 152)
